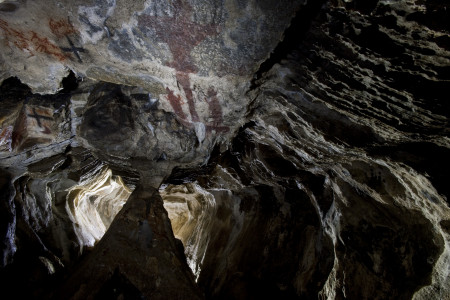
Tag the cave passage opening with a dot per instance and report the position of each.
(93, 204)
(191, 210)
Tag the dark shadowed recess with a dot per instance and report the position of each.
(12, 91)
(26, 276)
(428, 158)
(240, 145)
(13, 86)
(181, 175)
(69, 83)
(363, 6)
(436, 16)
(405, 241)
(119, 287)
(300, 25)
(250, 274)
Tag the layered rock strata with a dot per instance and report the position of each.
(346, 142)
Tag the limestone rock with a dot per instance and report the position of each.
(196, 57)
(93, 205)
(332, 138)
(234, 36)
(137, 258)
(191, 211)
(320, 173)
(33, 127)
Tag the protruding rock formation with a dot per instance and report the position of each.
(137, 258)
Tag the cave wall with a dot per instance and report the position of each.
(299, 149)
(346, 142)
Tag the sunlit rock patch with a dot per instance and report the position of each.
(93, 204)
(191, 212)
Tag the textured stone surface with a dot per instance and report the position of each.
(364, 226)
(206, 37)
(137, 258)
(322, 174)
(196, 57)
(191, 211)
(333, 132)
(93, 205)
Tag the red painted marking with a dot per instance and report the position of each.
(185, 82)
(15, 37)
(223, 129)
(180, 33)
(30, 41)
(43, 45)
(215, 112)
(19, 132)
(43, 112)
(176, 102)
(61, 28)
(215, 109)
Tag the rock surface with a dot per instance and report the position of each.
(192, 212)
(197, 57)
(137, 258)
(316, 171)
(345, 142)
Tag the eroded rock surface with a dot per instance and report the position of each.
(197, 57)
(320, 173)
(137, 258)
(192, 212)
(345, 142)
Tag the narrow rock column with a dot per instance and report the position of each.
(137, 258)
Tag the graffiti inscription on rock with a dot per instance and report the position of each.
(33, 127)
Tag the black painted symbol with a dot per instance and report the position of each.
(38, 117)
(75, 50)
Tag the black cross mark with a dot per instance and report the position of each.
(39, 117)
(73, 49)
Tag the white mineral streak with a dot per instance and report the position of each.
(200, 131)
(48, 264)
(93, 204)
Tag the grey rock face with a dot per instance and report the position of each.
(345, 141)
(195, 56)
(321, 173)
(354, 215)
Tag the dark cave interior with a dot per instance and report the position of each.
(299, 151)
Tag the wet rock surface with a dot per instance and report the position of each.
(322, 174)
